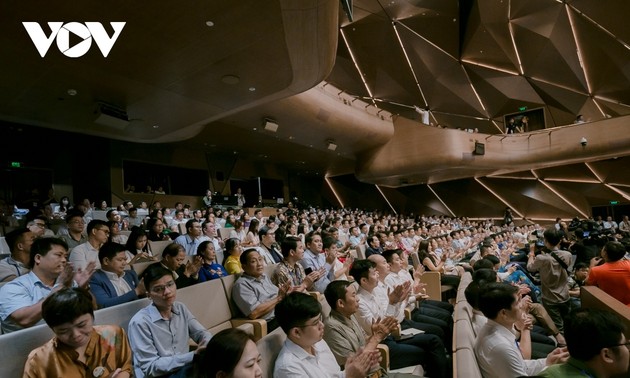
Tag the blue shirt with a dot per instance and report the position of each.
(160, 346)
(316, 262)
(189, 244)
(22, 292)
(211, 271)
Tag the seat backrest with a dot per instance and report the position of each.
(269, 269)
(465, 364)
(434, 285)
(120, 314)
(463, 311)
(140, 267)
(224, 233)
(99, 214)
(269, 347)
(157, 247)
(4, 247)
(228, 282)
(361, 251)
(463, 335)
(415, 260)
(207, 301)
(17, 345)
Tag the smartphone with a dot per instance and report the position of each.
(308, 270)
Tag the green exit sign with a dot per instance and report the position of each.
(614, 202)
(16, 164)
(522, 108)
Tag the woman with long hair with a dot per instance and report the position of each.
(137, 248)
(252, 239)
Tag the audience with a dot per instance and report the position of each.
(232, 263)
(19, 241)
(305, 353)
(75, 234)
(112, 284)
(210, 269)
(613, 276)
(159, 333)
(21, 299)
(191, 240)
(184, 273)
(603, 355)
(98, 234)
(230, 353)
(79, 347)
(316, 260)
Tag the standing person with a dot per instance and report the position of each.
(79, 347)
(159, 333)
(240, 198)
(207, 199)
(552, 264)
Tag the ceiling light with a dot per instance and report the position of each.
(72, 92)
(270, 125)
(252, 89)
(331, 145)
(156, 126)
(209, 23)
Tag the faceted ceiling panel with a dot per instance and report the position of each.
(468, 197)
(570, 57)
(573, 172)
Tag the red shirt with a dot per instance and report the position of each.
(613, 278)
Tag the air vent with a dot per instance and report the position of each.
(111, 116)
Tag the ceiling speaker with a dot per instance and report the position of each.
(271, 125)
(480, 149)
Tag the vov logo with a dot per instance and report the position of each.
(61, 32)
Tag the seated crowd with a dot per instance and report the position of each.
(367, 267)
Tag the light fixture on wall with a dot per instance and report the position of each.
(331, 145)
(270, 125)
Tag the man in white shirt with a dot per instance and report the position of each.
(209, 230)
(304, 353)
(81, 255)
(376, 303)
(497, 351)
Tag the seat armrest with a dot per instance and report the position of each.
(260, 326)
(384, 351)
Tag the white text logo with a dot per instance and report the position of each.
(61, 32)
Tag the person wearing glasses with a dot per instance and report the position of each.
(604, 354)
(497, 351)
(74, 234)
(305, 353)
(79, 347)
(159, 333)
(98, 234)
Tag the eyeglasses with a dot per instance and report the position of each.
(626, 344)
(316, 323)
(159, 289)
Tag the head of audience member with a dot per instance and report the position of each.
(207, 252)
(98, 231)
(596, 337)
(552, 238)
(365, 274)
(252, 262)
(113, 215)
(173, 256)
(314, 242)
(329, 245)
(381, 266)
(137, 240)
(374, 241)
(231, 353)
(233, 247)
(114, 229)
(482, 264)
(70, 315)
(37, 226)
(292, 249)
(613, 251)
(342, 297)
(74, 221)
(20, 241)
(499, 301)
(393, 259)
(193, 227)
(48, 258)
(485, 276)
(160, 285)
(267, 236)
(494, 260)
(253, 226)
(581, 270)
(113, 258)
(300, 317)
(472, 294)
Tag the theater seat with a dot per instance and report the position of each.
(260, 325)
(269, 348)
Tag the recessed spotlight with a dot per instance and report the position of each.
(291, 138)
(252, 89)
(255, 128)
(72, 92)
(156, 126)
(209, 23)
